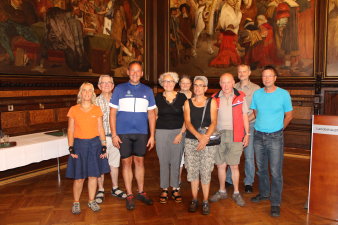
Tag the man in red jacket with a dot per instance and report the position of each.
(233, 124)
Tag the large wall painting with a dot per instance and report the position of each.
(332, 39)
(211, 37)
(71, 37)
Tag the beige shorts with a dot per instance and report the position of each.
(113, 153)
(228, 152)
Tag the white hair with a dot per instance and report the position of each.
(172, 74)
(105, 75)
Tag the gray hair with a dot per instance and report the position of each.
(105, 75)
(202, 78)
(172, 74)
(244, 65)
(79, 98)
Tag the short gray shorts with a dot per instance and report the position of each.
(228, 152)
(199, 163)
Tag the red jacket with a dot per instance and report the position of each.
(237, 114)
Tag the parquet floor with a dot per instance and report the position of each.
(40, 200)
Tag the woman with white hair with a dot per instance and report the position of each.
(169, 130)
(87, 146)
(199, 158)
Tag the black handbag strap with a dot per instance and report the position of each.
(205, 106)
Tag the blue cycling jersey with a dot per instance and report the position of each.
(132, 103)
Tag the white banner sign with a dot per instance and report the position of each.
(325, 129)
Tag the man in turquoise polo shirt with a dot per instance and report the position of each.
(273, 110)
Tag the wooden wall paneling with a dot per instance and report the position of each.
(61, 114)
(41, 116)
(13, 119)
(331, 102)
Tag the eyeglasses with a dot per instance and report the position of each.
(106, 82)
(199, 85)
(168, 81)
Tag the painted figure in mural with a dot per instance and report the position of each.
(229, 24)
(227, 54)
(136, 34)
(185, 31)
(249, 10)
(65, 33)
(264, 52)
(204, 20)
(90, 19)
(283, 15)
(248, 37)
(174, 39)
(16, 18)
(108, 16)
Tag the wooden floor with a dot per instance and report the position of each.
(40, 200)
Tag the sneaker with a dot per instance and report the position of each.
(76, 208)
(238, 199)
(94, 206)
(275, 211)
(218, 196)
(130, 205)
(144, 198)
(193, 206)
(259, 198)
(248, 189)
(205, 208)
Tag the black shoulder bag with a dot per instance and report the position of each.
(215, 138)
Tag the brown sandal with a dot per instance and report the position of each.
(175, 194)
(164, 196)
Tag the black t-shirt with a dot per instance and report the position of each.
(196, 114)
(170, 115)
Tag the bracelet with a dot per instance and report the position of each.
(248, 134)
(71, 149)
(104, 149)
(104, 142)
(114, 137)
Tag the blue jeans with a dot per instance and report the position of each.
(249, 154)
(269, 149)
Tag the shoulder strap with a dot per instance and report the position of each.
(205, 106)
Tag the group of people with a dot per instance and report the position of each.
(124, 124)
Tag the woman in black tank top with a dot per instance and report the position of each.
(199, 158)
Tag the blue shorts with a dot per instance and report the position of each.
(89, 163)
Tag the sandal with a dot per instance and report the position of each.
(99, 197)
(175, 194)
(118, 193)
(164, 196)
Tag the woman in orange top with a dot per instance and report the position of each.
(87, 146)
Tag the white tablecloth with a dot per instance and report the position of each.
(32, 148)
